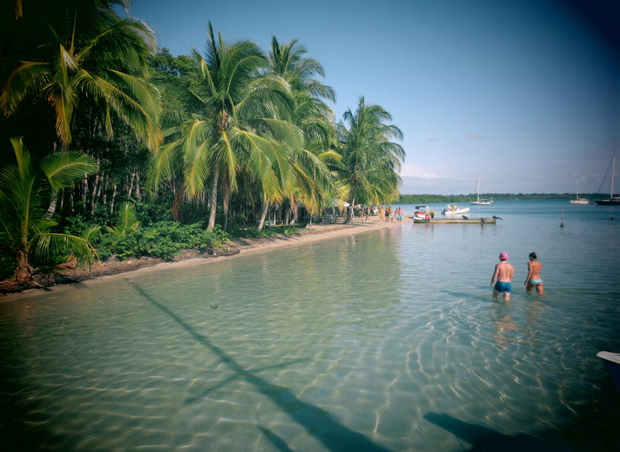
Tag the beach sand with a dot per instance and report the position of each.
(106, 271)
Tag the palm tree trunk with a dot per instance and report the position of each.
(62, 200)
(113, 198)
(350, 210)
(71, 199)
(225, 206)
(263, 215)
(52, 208)
(85, 192)
(178, 197)
(23, 272)
(133, 176)
(93, 200)
(138, 193)
(213, 199)
(105, 190)
(295, 211)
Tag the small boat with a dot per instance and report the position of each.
(452, 210)
(422, 214)
(481, 202)
(613, 200)
(579, 201)
(612, 361)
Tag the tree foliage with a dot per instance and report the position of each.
(26, 191)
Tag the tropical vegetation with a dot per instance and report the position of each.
(113, 148)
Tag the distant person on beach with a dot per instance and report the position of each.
(502, 277)
(533, 275)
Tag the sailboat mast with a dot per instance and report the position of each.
(478, 188)
(613, 166)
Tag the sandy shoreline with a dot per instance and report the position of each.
(317, 233)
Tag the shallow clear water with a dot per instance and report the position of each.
(384, 341)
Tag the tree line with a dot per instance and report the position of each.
(99, 129)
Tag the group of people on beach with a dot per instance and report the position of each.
(502, 276)
(389, 214)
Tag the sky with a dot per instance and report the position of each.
(524, 94)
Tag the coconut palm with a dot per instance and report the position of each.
(312, 115)
(234, 125)
(60, 55)
(26, 189)
(368, 170)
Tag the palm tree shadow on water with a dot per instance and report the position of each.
(316, 421)
(485, 439)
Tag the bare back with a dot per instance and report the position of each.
(504, 272)
(534, 269)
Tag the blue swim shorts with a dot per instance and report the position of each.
(503, 287)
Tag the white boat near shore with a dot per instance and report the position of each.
(452, 210)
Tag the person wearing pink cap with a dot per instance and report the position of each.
(502, 278)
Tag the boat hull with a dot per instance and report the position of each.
(612, 361)
(421, 217)
(579, 202)
(609, 202)
(456, 213)
(481, 203)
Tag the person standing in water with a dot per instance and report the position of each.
(503, 275)
(533, 275)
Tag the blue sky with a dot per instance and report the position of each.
(523, 94)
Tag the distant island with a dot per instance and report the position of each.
(427, 199)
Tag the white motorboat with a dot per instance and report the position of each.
(579, 201)
(481, 202)
(422, 214)
(452, 210)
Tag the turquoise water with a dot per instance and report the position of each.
(384, 341)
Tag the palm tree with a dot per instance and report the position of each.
(312, 115)
(233, 126)
(26, 189)
(60, 57)
(368, 170)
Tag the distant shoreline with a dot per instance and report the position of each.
(427, 198)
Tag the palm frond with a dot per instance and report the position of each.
(64, 167)
(27, 78)
(50, 242)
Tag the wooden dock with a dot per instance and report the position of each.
(461, 221)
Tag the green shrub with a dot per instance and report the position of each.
(254, 233)
(161, 240)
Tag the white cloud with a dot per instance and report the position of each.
(417, 172)
(475, 136)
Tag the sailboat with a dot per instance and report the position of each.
(579, 201)
(481, 202)
(613, 200)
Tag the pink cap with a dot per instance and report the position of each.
(503, 256)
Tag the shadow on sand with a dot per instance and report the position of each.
(316, 421)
